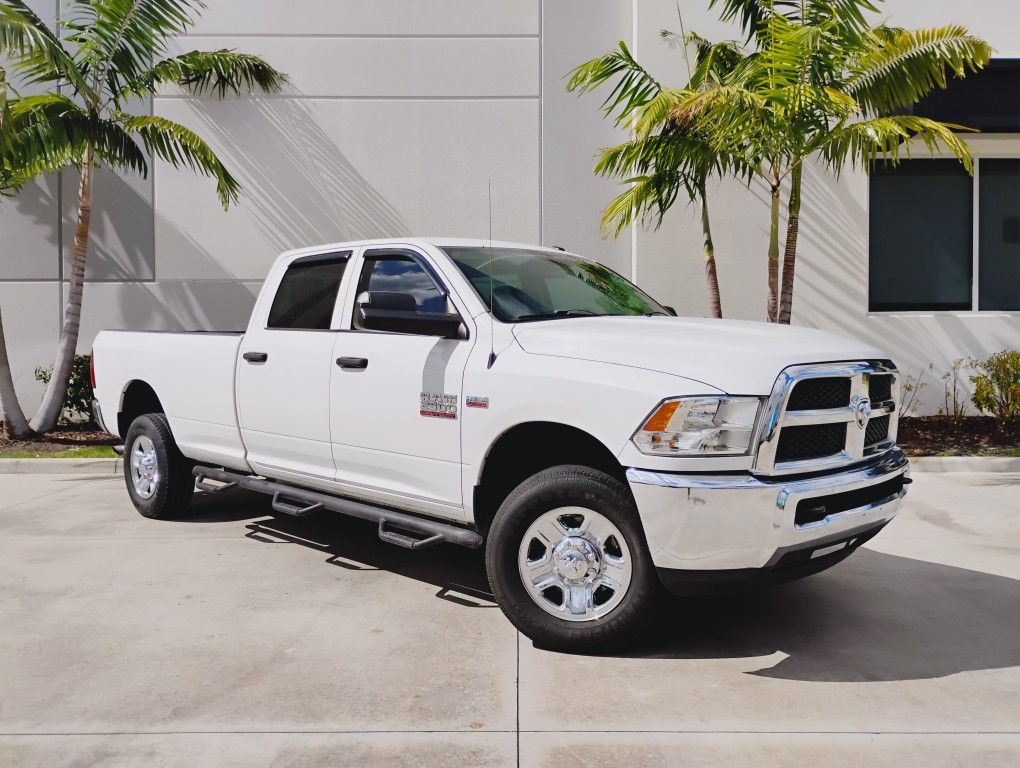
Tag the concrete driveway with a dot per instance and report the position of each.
(241, 638)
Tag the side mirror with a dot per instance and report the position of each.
(670, 310)
(398, 313)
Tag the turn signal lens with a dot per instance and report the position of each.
(700, 426)
(659, 420)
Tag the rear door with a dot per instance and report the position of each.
(397, 396)
(283, 371)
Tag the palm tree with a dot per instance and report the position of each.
(113, 50)
(825, 82)
(665, 156)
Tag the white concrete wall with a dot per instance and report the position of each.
(396, 116)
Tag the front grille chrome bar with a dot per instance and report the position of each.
(856, 415)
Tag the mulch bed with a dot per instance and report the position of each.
(61, 439)
(946, 436)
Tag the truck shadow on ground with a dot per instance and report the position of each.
(874, 617)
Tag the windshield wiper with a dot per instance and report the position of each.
(560, 313)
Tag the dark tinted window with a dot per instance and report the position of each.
(921, 236)
(401, 274)
(999, 234)
(307, 293)
(988, 100)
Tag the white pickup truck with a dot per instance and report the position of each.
(529, 400)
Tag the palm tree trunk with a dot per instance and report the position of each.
(15, 425)
(714, 298)
(790, 254)
(772, 310)
(53, 401)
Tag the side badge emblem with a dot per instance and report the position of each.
(474, 401)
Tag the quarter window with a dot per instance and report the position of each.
(307, 293)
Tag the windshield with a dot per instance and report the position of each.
(536, 285)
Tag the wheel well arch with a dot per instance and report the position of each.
(138, 398)
(527, 448)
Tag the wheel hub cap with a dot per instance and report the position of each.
(575, 559)
(144, 464)
(575, 564)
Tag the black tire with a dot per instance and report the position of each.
(570, 486)
(172, 491)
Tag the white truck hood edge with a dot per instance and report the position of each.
(739, 357)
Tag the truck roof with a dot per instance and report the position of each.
(439, 242)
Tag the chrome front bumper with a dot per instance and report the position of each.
(725, 522)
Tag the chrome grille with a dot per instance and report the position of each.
(827, 416)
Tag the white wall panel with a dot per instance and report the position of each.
(371, 17)
(384, 67)
(319, 171)
(573, 131)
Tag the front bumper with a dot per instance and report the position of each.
(740, 523)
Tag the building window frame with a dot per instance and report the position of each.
(998, 146)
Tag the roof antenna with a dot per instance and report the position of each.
(492, 307)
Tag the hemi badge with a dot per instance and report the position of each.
(473, 401)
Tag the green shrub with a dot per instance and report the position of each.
(78, 399)
(997, 385)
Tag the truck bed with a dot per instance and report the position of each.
(193, 372)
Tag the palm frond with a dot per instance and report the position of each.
(51, 131)
(37, 53)
(754, 15)
(886, 138)
(647, 199)
(182, 147)
(899, 69)
(122, 37)
(634, 88)
(218, 72)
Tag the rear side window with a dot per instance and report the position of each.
(308, 292)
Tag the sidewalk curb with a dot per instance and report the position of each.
(61, 466)
(965, 464)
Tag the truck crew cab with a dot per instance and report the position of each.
(529, 400)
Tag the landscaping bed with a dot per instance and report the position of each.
(966, 436)
(69, 441)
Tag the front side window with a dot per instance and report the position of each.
(521, 286)
(307, 293)
(396, 273)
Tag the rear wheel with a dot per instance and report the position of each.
(568, 563)
(158, 476)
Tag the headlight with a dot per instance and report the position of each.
(699, 426)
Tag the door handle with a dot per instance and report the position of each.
(352, 363)
(255, 357)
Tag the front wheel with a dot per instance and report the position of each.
(567, 560)
(158, 476)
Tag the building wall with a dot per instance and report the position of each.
(396, 116)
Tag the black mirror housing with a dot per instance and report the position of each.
(398, 313)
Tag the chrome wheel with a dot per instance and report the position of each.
(575, 564)
(144, 467)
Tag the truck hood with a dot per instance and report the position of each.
(736, 356)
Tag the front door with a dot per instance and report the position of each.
(397, 396)
(283, 374)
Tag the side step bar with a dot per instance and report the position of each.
(299, 502)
